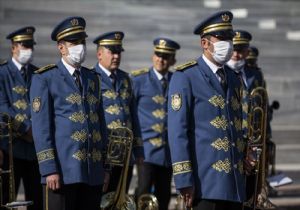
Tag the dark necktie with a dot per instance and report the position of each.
(77, 79)
(164, 84)
(24, 73)
(113, 80)
(221, 74)
(242, 73)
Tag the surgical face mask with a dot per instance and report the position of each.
(25, 56)
(76, 54)
(236, 65)
(222, 51)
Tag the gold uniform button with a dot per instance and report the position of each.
(235, 166)
(231, 123)
(89, 155)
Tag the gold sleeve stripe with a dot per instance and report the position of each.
(45, 155)
(182, 167)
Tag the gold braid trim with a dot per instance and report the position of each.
(182, 167)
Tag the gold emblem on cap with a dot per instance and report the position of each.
(118, 36)
(29, 30)
(162, 42)
(237, 34)
(74, 22)
(225, 18)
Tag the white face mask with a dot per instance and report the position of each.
(76, 54)
(25, 56)
(236, 65)
(222, 51)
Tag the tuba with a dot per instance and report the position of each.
(6, 131)
(119, 152)
(257, 128)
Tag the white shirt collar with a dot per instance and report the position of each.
(70, 68)
(210, 64)
(18, 65)
(159, 75)
(106, 71)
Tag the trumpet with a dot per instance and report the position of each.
(257, 128)
(6, 131)
(119, 151)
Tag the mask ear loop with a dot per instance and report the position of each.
(212, 43)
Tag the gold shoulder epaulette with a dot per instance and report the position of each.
(139, 72)
(3, 62)
(185, 65)
(45, 68)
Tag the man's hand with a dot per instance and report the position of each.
(250, 161)
(53, 181)
(106, 181)
(188, 196)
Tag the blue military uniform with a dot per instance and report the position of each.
(204, 124)
(118, 101)
(15, 82)
(151, 102)
(68, 138)
(152, 114)
(69, 126)
(14, 100)
(251, 78)
(151, 93)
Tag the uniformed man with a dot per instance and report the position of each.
(15, 81)
(204, 123)
(251, 59)
(250, 77)
(68, 124)
(151, 93)
(118, 100)
(237, 63)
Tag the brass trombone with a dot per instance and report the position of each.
(148, 202)
(6, 131)
(119, 152)
(257, 128)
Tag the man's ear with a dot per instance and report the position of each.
(62, 48)
(99, 52)
(204, 43)
(13, 48)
